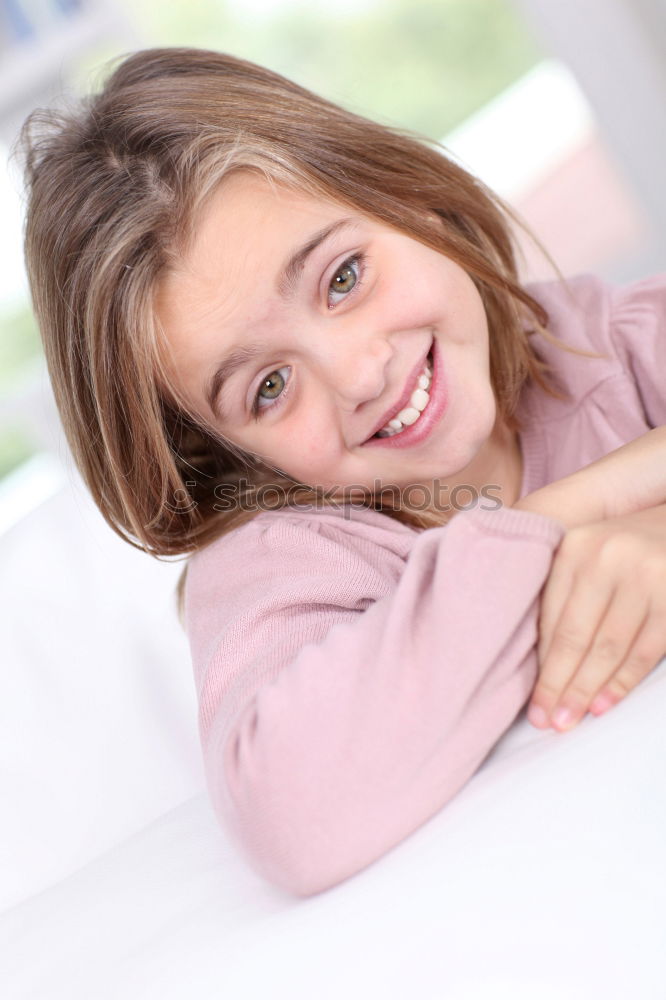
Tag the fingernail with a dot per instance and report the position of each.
(537, 716)
(563, 718)
(601, 703)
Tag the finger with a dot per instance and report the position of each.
(617, 633)
(555, 595)
(575, 629)
(647, 651)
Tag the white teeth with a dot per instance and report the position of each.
(419, 399)
(409, 415)
(417, 404)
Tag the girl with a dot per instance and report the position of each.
(293, 343)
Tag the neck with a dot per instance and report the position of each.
(496, 473)
(502, 464)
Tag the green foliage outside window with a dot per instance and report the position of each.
(425, 65)
(19, 344)
(20, 349)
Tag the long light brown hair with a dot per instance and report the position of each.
(115, 186)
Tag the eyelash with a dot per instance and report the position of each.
(357, 260)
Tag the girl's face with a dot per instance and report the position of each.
(337, 316)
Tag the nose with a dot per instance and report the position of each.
(355, 368)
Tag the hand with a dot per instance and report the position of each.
(602, 625)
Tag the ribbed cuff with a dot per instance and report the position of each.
(516, 523)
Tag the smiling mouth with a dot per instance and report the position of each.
(417, 404)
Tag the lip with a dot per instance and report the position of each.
(410, 386)
(419, 430)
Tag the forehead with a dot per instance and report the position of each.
(247, 223)
(251, 215)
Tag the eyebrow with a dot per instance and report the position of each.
(286, 286)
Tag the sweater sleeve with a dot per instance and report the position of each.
(342, 707)
(638, 331)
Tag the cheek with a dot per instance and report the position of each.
(302, 445)
(466, 312)
(315, 454)
(410, 286)
(308, 446)
(429, 291)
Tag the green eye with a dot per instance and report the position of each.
(274, 383)
(344, 280)
(275, 386)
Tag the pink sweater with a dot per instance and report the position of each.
(352, 672)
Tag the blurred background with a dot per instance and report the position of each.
(558, 107)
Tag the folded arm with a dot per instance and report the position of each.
(319, 761)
